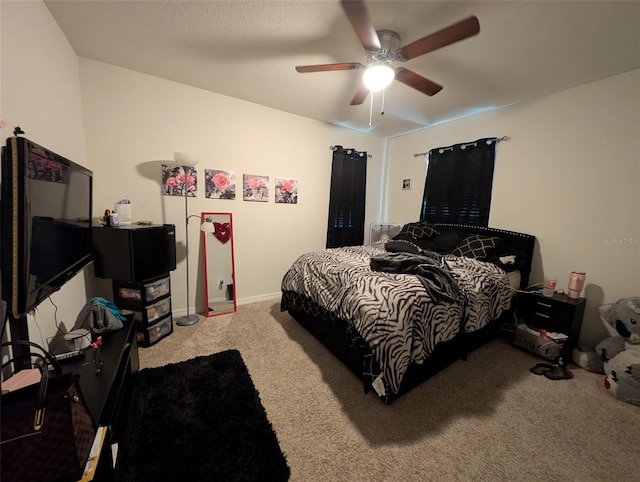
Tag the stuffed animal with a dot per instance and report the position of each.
(618, 357)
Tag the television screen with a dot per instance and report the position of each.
(46, 223)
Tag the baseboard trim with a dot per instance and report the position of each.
(242, 301)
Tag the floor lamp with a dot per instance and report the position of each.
(186, 161)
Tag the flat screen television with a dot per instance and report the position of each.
(45, 228)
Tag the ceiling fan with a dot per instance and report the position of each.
(382, 49)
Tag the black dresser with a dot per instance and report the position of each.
(109, 393)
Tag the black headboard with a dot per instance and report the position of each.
(522, 242)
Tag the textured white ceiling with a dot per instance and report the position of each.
(249, 49)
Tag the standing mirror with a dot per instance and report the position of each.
(219, 268)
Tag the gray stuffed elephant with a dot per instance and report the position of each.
(618, 357)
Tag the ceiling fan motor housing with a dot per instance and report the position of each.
(390, 43)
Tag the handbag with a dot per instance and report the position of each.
(99, 315)
(47, 430)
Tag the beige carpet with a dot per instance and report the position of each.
(487, 419)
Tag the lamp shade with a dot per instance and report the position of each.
(378, 76)
(207, 226)
(185, 159)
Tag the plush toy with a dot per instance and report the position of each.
(618, 357)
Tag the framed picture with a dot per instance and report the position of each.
(178, 181)
(255, 188)
(219, 184)
(406, 184)
(286, 191)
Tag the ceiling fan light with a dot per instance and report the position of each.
(378, 76)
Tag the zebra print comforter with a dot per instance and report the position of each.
(393, 312)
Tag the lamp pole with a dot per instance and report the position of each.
(187, 320)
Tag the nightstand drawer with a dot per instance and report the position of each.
(545, 310)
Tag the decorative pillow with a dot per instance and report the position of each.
(426, 244)
(446, 241)
(419, 230)
(477, 246)
(402, 246)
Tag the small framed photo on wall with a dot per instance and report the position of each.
(286, 191)
(255, 188)
(406, 184)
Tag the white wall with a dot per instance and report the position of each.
(570, 175)
(40, 91)
(134, 120)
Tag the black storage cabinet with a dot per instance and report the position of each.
(138, 259)
(109, 396)
(134, 253)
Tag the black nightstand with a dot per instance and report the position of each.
(558, 313)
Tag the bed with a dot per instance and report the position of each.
(396, 312)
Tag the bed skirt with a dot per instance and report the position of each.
(340, 338)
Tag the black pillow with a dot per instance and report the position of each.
(446, 241)
(426, 244)
(477, 246)
(418, 230)
(401, 246)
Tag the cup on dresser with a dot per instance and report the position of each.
(549, 286)
(576, 283)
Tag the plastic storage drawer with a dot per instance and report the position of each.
(153, 312)
(157, 289)
(154, 333)
(134, 293)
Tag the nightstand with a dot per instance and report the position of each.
(558, 313)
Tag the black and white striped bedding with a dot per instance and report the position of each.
(393, 312)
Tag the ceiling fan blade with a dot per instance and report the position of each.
(328, 67)
(358, 15)
(417, 82)
(448, 35)
(361, 95)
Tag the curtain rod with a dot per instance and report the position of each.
(334, 148)
(499, 139)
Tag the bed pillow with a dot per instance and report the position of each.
(477, 246)
(402, 246)
(426, 244)
(418, 230)
(447, 241)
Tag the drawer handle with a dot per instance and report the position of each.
(546, 305)
(542, 315)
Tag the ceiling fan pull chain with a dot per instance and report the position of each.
(382, 103)
(371, 108)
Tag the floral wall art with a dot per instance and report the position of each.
(255, 188)
(286, 191)
(179, 181)
(219, 184)
(45, 169)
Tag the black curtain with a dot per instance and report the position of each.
(459, 182)
(347, 198)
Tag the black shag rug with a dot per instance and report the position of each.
(200, 420)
